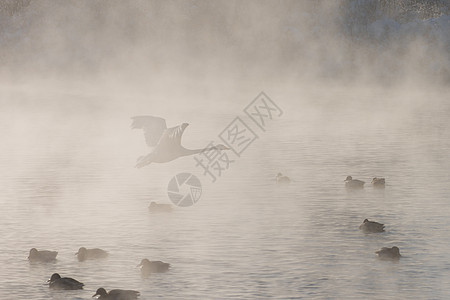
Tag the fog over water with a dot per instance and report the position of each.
(363, 87)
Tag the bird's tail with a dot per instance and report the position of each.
(142, 161)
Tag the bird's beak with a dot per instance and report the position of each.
(139, 265)
(133, 124)
(95, 295)
(76, 253)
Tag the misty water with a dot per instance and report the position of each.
(364, 90)
(68, 180)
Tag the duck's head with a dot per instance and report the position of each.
(376, 180)
(143, 262)
(54, 277)
(395, 250)
(81, 251)
(33, 252)
(100, 292)
(348, 178)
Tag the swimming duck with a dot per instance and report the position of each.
(148, 267)
(371, 226)
(158, 207)
(95, 253)
(116, 294)
(65, 283)
(389, 253)
(378, 182)
(351, 183)
(282, 179)
(42, 255)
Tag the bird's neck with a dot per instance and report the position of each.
(187, 152)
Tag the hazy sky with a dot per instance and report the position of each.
(222, 40)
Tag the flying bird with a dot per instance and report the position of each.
(166, 142)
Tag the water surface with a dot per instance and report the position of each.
(67, 180)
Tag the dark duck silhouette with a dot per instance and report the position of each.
(351, 183)
(389, 253)
(282, 179)
(64, 283)
(148, 267)
(116, 294)
(159, 207)
(95, 253)
(42, 255)
(371, 226)
(378, 182)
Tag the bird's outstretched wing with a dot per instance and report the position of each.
(171, 138)
(153, 127)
